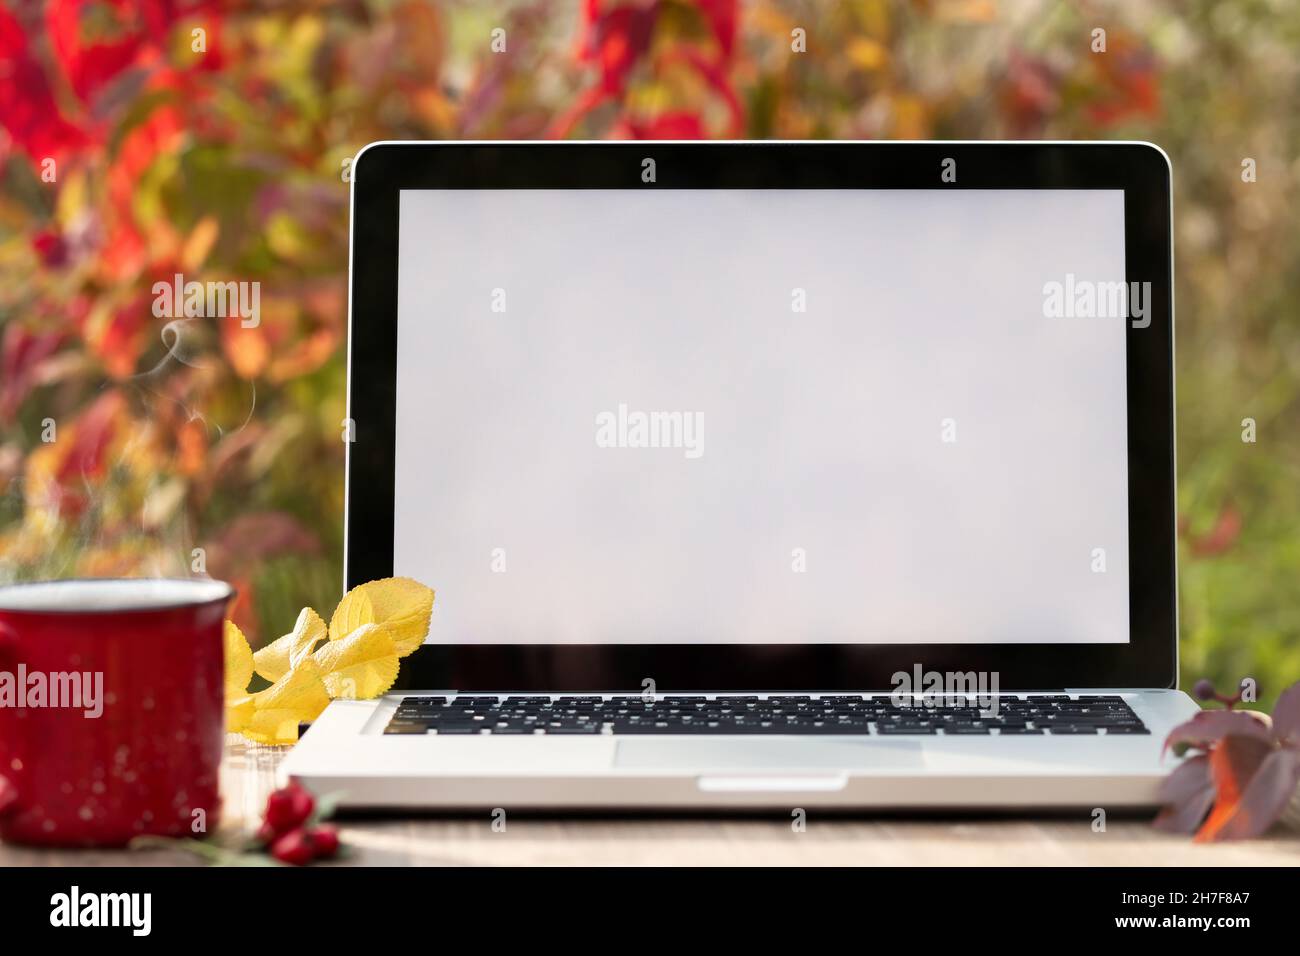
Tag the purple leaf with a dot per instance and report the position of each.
(1263, 799)
(1187, 794)
(1211, 725)
(1286, 715)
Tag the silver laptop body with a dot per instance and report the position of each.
(763, 475)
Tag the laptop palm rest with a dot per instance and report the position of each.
(802, 753)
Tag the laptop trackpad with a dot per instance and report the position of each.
(703, 753)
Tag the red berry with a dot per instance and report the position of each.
(1204, 690)
(266, 834)
(325, 839)
(288, 808)
(295, 848)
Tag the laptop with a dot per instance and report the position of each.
(762, 475)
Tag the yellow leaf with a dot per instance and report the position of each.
(272, 716)
(199, 243)
(359, 666)
(239, 662)
(354, 610)
(284, 653)
(867, 54)
(966, 11)
(239, 710)
(402, 605)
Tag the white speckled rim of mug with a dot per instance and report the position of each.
(109, 595)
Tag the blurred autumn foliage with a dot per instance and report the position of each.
(146, 138)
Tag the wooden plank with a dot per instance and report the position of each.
(250, 773)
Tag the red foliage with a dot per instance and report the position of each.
(615, 40)
(1030, 92)
(91, 56)
(712, 72)
(1220, 538)
(51, 247)
(618, 38)
(94, 430)
(135, 37)
(21, 354)
(68, 469)
(723, 19)
(678, 124)
(27, 107)
(1129, 84)
(119, 342)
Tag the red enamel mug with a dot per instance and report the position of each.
(111, 709)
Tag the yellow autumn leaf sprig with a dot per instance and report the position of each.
(355, 657)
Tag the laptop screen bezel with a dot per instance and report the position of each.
(382, 170)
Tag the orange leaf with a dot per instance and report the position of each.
(1232, 764)
(248, 350)
(191, 446)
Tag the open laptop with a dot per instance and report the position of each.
(763, 474)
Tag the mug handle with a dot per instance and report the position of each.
(8, 657)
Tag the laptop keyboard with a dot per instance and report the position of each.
(830, 714)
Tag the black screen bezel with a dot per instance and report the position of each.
(1141, 170)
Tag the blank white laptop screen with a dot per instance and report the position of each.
(762, 416)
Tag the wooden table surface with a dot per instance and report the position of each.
(250, 773)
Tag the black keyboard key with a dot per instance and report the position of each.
(394, 727)
(831, 727)
(588, 729)
(889, 730)
(644, 727)
(748, 715)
